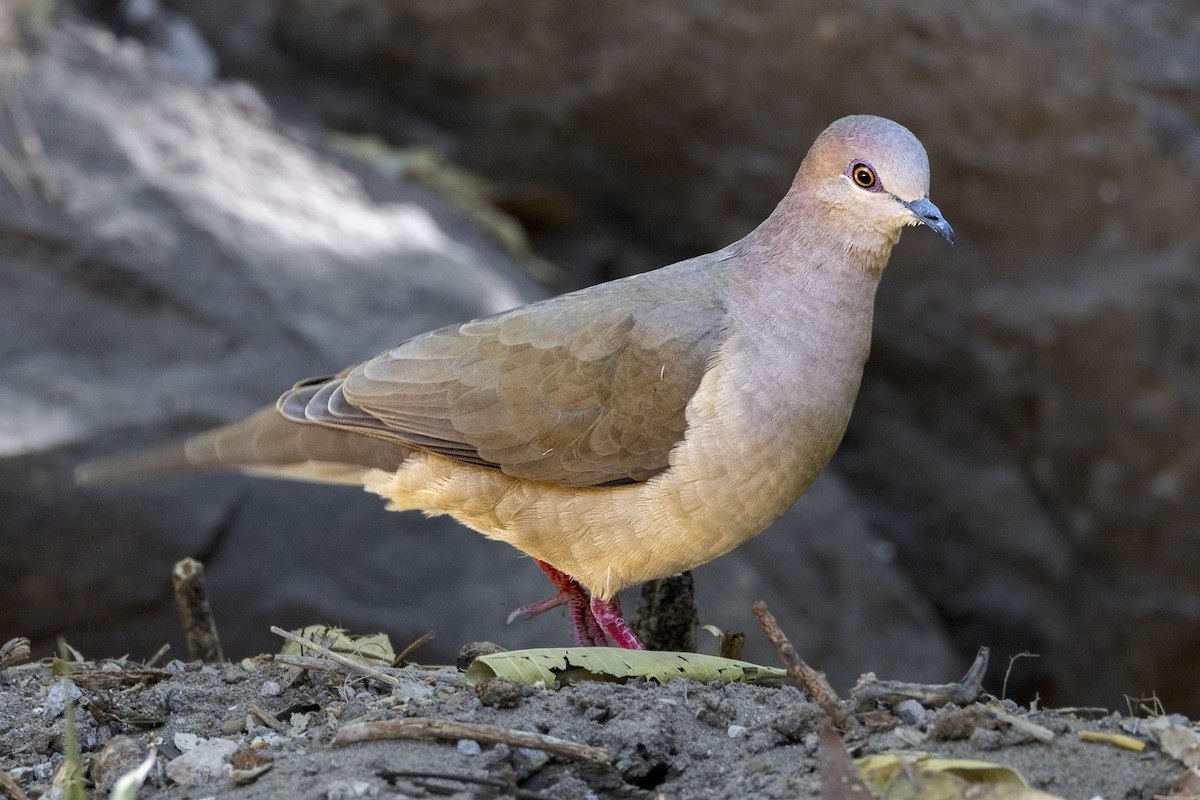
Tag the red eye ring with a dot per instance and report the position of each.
(863, 175)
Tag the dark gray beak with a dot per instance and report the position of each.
(927, 214)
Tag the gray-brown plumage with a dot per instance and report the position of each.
(634, 429)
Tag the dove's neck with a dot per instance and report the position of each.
(802, 269)
(799, 302)
(805, 232)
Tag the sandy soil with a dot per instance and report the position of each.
(678, 740)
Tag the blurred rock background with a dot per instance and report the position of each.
(222, 198)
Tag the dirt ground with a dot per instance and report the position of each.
(681, 739)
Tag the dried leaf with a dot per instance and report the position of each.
(369, 649)
(839, 777)
(910, 775)
(1185, 786)
(1176, 739)
(555, 666)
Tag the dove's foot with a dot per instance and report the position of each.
(607, 614)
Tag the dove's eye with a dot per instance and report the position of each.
(863, 175)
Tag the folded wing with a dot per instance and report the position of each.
(580, 396)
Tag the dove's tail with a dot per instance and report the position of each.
(265, 443)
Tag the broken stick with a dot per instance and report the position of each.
(421, 728)
(870, 691)
(810, 680)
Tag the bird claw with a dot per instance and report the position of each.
(593, 621)
(587, 632)
(540, 607)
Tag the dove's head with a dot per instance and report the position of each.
(873, 175)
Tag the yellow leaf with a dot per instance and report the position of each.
(911, 775)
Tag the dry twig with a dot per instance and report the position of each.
(191, 597)
(266, 717)
(1012, 660)
(501, 787)
(1031, 729)
(419, 728)
(871, 691)
(402, 657)
(10, 789)
(158, 654)
(1115, 739)
(95, 677)
(811, 680)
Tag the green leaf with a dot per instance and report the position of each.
(554, 666)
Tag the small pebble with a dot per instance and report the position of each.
(186, 741)
(249, 758)
(233, 674)
(954, 725)
(408, 691)
(911, 712)
(469, 747)
(204, 764)
(56, 697)
(987, 740)
(500, 693)
(348, 790)
(119, 756)
(534, 759)
(736, 731)
(473, 650)
(270, 689)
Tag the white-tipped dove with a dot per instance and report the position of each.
(631, 430)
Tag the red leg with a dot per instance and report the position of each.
(608, 616)
(586, 630)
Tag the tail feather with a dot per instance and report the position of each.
(133, 466)
(264, 443)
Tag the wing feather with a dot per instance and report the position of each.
(585, 389)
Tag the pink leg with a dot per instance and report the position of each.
(586, 630)
(608, 615)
